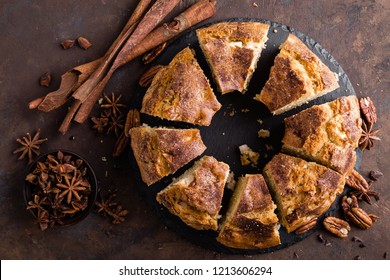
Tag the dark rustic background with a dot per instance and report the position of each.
(355, 32)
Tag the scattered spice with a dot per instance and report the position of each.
(368, 136)
(45, 79)
(375, 175)
(107, 205)
(84, 43)
(112, 104)
(357, 258)
(67, 44)
(359, 240)
(30, 146)
(60, 188)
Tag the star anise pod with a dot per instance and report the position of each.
(30, 146)
(368, 137)
(36, 203)
(107, 206)
(366, 194)
(116, 124)
(113, 104)
(43, 219)
(72, 187)
(99, 124)
(368, 110)
(118, 214)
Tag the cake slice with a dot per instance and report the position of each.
(302, 190)
(297, 76)
(250, 221)
(162, 151)
(232, 50)
(181, 92)
(327, 134)
(196, 196)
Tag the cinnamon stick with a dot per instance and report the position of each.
(198, 12)
(159, 10)
(91, 80)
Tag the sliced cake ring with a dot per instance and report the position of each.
(196, 196)
(232, 50)
(297, 77)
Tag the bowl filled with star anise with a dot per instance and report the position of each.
(60, 189)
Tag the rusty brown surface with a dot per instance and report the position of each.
(355, 32)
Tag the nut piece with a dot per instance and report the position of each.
(45, 79)
(67, 44)
(337, 226)
(84, 43)
(359, 217)
(356, 181)
(133, 119)
(305, 228)
(154, 53)
(368, 109)
(147, 78)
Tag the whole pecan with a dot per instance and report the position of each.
(133, 119)
(154, 53)
(368, 109)
(357, 181)
(337, 226)
(147, 77)
(305, 228)
(355, 214)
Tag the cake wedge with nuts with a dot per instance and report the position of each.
(302, 190)
(196, 196)
(327, 134)
(162, 151)
(232, 50)
(297, 77)
(250, 221)
(181, 92)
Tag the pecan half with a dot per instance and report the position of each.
(84, 43)
(154, 53)
(133, 119)
(305, 228)
(359, 217)
(147, 77)
(356, 181)
(368, 109)
(121, 144)
(67, 44)
(337, 226)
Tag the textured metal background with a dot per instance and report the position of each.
(354, 32)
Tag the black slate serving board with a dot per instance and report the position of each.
(234, 125)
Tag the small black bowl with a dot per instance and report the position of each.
(69, 219)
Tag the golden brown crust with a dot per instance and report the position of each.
(196, 196)
(181, 92)
(229, 50)
(327, 134)
(251, 222)
(162, 151)
(297, 77)
(302, 190)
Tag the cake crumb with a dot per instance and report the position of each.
(254, 4)
(263, 133)
(269, 147)
(248, 156)
(230, 182)
(245, 110)
(260, 121)
(275, 31)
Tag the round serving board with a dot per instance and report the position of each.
(237, 123)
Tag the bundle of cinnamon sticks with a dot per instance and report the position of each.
(85, 83)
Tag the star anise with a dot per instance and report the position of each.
(30, 146)
(368, 137)
(43, 219)
(366, 194)
(107, 206)
(36, 203)
(116, 125)
(72, 187)
(113, 104)
(99, 124)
